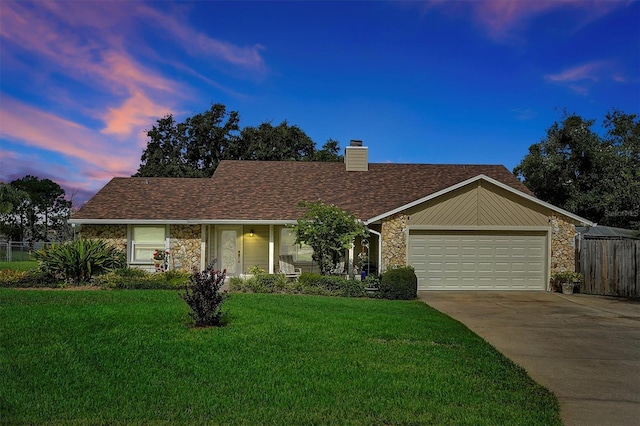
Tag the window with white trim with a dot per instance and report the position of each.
(300, 252)
(145, 240)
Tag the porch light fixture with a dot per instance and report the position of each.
(251, 233)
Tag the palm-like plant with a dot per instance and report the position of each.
(79, 260)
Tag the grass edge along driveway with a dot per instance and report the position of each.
(108, 357)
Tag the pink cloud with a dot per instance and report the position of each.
(101, 61)
(581, 72)
(500, 17)
(104, 15)
(200, 44)
(88, 43)
(121, 69)
(619, 78)
(134, 114)
(98, 58)
(502, 20)
(65, 137)
(579, 78)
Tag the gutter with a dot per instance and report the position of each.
(379, 249)
(177, 222)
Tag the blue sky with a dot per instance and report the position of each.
(419, 82)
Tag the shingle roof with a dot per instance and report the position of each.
(148, 198)
(270, 190)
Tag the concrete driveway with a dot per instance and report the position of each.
(586, 349)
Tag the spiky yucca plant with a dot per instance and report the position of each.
(78, 261)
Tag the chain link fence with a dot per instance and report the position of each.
(16, 251)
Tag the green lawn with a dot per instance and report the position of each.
(128, 357)
(24, 265)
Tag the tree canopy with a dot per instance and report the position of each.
(195, 147)
(329, 231)
(596, 176)
(10, 198)
(37, 206)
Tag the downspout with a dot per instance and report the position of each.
(271, 250)
(379, 248)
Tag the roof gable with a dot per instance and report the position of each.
(485, 178)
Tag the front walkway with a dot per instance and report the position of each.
(586, 349)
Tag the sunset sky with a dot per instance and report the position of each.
(419, 82)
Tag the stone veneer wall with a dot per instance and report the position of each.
(115, 235)
(394, 242)
(184, 246)
(563, 245)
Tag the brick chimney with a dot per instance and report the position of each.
(356, 157)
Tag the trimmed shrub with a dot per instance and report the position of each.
(78, 261)
(399, 283)
(329, 285)
(260, 283)
(138, 279)
(237, 284)
(9, 278)
(265, 283)
(204, 297)
(27, 279)
(307, 283)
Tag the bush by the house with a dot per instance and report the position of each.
(371, 281)
(307, 283)
(204, 297)
(399, 283)
(27, 279)
(371, 285)
(560, 278)
(329, 285)
(259, 283)
(264, 283)
(78, 261)
(236, 284)
(138, 279)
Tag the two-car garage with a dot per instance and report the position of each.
(479, 260)
(482, 235)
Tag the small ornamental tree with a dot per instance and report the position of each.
(329, 231)
(204, 297)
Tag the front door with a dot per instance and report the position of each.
(230, 249)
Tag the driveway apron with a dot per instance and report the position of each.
(586, 349)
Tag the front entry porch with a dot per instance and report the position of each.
(240, 247)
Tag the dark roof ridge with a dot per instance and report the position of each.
(382, 163)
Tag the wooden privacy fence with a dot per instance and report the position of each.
(610, 267)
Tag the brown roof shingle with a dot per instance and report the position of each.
(270, 190)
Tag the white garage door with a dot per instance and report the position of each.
(479, 260)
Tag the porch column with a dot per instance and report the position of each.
(271, 249)
(203, 246)
(350, 262)
(379, 235)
